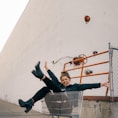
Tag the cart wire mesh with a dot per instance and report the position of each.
(63, 103)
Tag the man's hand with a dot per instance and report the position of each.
(106, 84)
(45, 66)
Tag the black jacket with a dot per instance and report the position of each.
(72, 87)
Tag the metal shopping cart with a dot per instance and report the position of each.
(65, 104)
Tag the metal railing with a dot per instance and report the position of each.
(84, 65)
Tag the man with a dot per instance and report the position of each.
(55, 85)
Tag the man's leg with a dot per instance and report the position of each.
(39, 95)
(50, 84)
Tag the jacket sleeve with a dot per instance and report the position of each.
(87, 86)
(52, 76)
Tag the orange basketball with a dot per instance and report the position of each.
(87, 18)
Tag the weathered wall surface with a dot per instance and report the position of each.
(49, 30)
(101, 109)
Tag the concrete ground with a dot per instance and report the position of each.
(9, 110)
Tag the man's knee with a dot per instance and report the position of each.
(46, 89)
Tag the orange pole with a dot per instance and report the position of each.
(97, 54)
(88, 65)
(92, 75)
(107, 89)
(86, 57)
(82, 71)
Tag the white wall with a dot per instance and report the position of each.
(49, 30)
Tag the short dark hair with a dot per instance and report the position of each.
(65, 73)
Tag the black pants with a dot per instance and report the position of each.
(43, 91)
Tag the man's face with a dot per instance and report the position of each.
(65, 81)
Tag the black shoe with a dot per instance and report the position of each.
(37, 66)
(28, 105)
(21, 103)
(38, 73)
(28, 108)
